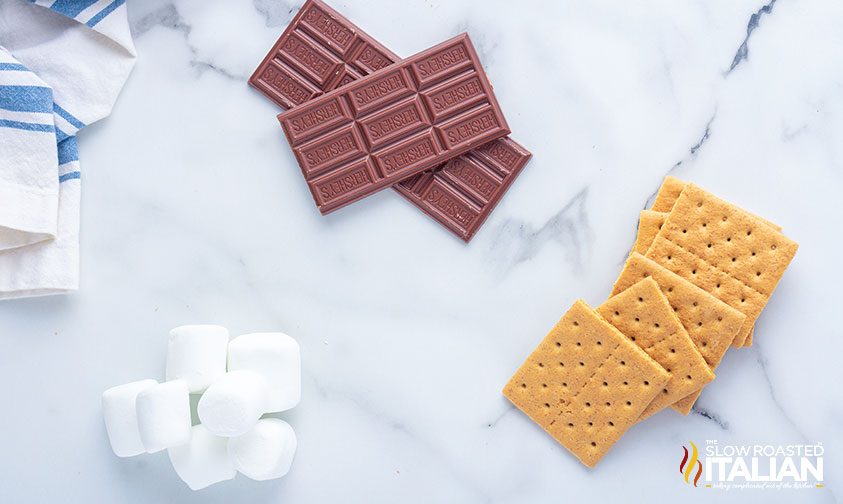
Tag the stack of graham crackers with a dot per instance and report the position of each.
(698, 276)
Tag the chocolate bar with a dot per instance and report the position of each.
(321, 50)
(394, 123)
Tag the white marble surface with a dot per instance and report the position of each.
(194, 212)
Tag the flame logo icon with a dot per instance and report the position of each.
(686, 467)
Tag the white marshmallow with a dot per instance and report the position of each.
(204, 460)
(164, 415)
(277, 358)
(121, 419)
(234, 403)
(197, 354)
(265, 452)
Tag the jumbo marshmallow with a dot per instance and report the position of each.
(197, 354)
(234, 403)
(164, 415)
(121, 418)
(277, 358)
(204, 460)
(265, 452)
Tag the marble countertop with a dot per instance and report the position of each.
(194, 211)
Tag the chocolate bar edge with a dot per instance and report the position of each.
(468, 233)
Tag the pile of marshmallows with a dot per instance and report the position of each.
(239, 381)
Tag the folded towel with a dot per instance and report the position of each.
(62, 65)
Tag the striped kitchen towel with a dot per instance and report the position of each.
(62, 65)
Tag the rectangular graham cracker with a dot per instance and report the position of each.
(649, 224)
(668, 193)
(644, 315)
(727, 251)
(585, 384)
(710, 323)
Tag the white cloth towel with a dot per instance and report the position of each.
(62, 65)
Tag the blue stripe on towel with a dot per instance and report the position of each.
(105, 12)
(60, 135)
(26, 98)
(68, 116)
(70, 176)
(71, 8)
(5, 123)
(12, 66)
(68, 150)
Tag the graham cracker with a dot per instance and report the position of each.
(668, 193)
(649, 224)
(651, 221)
(644, 315)
(585, 384)
(711, 324)
(727, 251)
